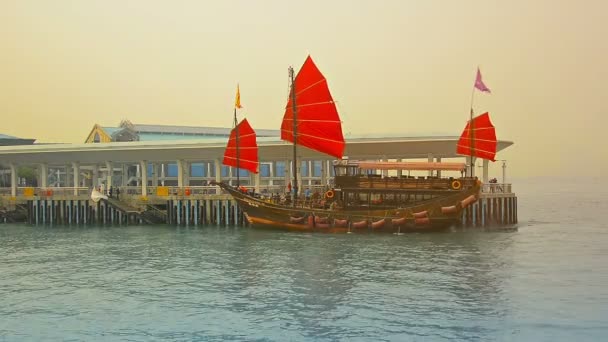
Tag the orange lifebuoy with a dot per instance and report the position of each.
(329, 194)
(456, 185)
(49, 192)
(187, 191)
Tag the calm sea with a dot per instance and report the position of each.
(546, 282)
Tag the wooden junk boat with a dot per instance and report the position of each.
(360, 200)
(369, 202)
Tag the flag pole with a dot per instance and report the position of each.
(236, 134)
(237, 104)
(472, 137)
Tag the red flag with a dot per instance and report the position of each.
(479, 83)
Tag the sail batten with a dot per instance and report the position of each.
(318, 124)
(247, 148)
(484, 140)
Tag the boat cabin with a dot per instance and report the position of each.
(360, 184)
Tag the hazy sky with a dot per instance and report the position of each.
(393, 67)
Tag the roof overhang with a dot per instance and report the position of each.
(196, 150)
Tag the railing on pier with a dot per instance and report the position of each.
(496, 188)
(210, 190)
(27, 191)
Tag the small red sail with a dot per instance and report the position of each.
(248, 148)
(484, 139)
(318, 123)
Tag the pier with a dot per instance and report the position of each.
(167, 181)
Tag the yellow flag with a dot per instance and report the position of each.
(237, 101)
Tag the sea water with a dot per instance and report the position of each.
(546, 282)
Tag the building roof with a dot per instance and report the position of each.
(9, 140)
(192, 130)
(211, 149)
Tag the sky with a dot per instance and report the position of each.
(393, 67)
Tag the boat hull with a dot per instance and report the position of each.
(426, 216)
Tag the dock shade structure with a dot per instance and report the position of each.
(410, 166)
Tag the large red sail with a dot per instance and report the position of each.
(318, 123)
(248, 148)
(484, 139)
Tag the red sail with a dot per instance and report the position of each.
(318, 123)
(484, 139)
(248, 148)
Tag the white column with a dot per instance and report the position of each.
(162, 173)
(44, 175)
(13, 179)
(95, 176)
(125, 174)
(485, 170)
(109, 174)
(299, 173)
(186, 167)
(324, 172)
(154, 174)
(68, 173)
(180, 173)
(430, 160)
(504, 172)
(218, 174)
(256, 182)
(287, 173)
(138, 174)
(76, 170)
(143, 166)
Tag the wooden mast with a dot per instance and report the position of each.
(236, 132)
(295, 137)
(472, 142)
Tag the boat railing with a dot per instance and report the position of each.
(496, 188)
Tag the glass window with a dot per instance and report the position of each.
(317, 168)
(242, 173)
(225, 171)
(150, 170)
(172, 170)
(198, 169)
(304, 168)
(264, 170)
(279, 169)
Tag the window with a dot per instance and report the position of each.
(96, 138)
(225, 171)
(304, 168)
(172, 170)
(198, 169)
(264, 170)
(279, 169)
(317, 168)
(242, 173)
(150, 170)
